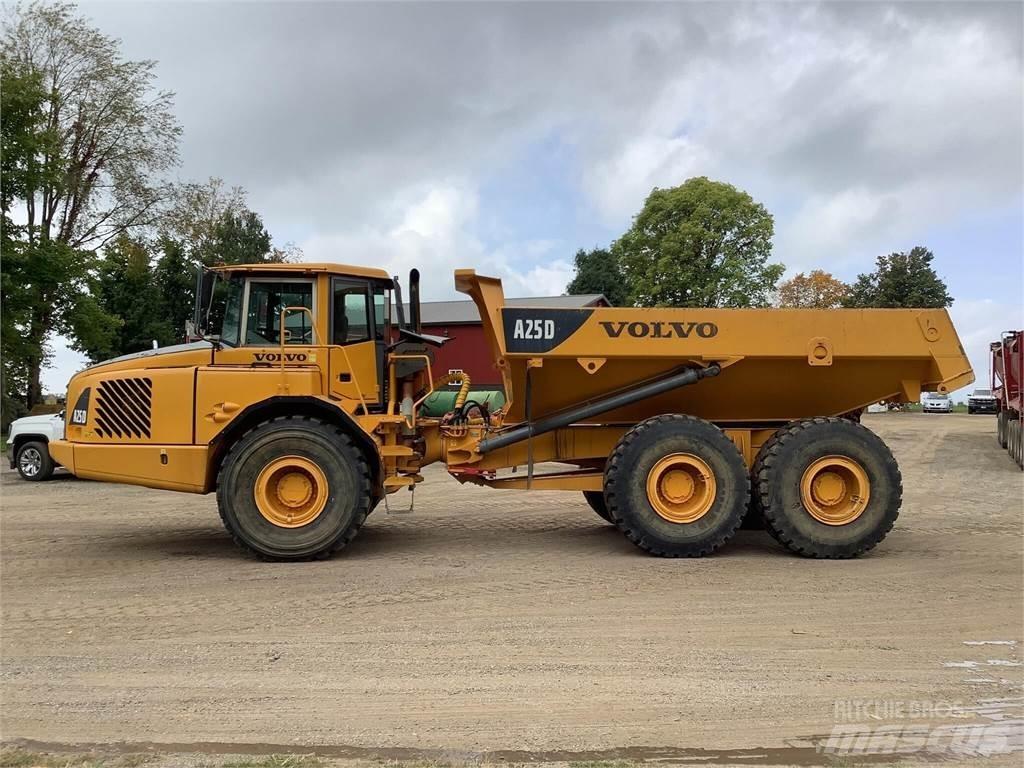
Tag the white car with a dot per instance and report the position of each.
(935, 402)
(28, 444)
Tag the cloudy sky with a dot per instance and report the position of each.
(504, 137)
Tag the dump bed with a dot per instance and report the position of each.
(1008, 370)
(777, 364)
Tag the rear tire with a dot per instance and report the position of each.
(34, 462)
(294, 488)
(1015, 438)
(828, 488)
(1001, 424)
(676, 486)
(596, 501)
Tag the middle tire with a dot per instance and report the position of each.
(676, 486)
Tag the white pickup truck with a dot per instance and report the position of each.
(28, 444)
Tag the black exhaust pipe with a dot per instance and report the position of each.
(596, 407)
(414, 301)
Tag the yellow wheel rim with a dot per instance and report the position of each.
(835, 490)
(291, 492)
(681, 488)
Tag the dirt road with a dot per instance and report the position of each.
(500, 621)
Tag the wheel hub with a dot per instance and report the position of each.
(835, 490)
(30, 462)
(681, 488)
(291, 491)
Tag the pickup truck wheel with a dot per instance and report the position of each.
(828, 488)
(294, 488)
(33, 461)
(596, 501)
(676, 486)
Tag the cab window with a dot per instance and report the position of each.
(266, 300)
(351, 316)
(381, 312)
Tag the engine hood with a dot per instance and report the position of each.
(193, 353)
(28, 422)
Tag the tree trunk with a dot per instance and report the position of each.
(34, 393)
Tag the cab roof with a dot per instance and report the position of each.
(306, 268)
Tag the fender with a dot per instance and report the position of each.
(287, 405)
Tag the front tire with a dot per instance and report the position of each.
(33, 461)
(1001, 424)
(293, 489)
(827, 488)
(676, 486)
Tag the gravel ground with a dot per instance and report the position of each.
(505, 626)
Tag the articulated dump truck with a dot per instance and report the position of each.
(303, 411)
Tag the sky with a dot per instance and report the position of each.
(504, 137)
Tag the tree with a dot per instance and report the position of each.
(21, 100)
(175, 279)
(901, 280)
(99, 139)
(196, 209)
(701, 244)
(817, 290)
(125, 289)
(598, 271)
(238, 239)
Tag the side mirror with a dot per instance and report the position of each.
(204, 297)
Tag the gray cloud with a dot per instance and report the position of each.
(367, 131)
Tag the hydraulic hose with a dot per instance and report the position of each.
(448, 378)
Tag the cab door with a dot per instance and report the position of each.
(355, 355)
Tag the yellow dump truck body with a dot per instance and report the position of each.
(777, 364)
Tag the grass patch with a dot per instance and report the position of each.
(15, 757)
(272, 761)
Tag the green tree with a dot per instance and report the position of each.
(701, 244)
(21, 105)
(901, 280)
(238, 238)
(125, 288)
(598, 271)
(99, 138)
(175, 279)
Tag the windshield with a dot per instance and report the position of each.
(983, 392)
(935, 396)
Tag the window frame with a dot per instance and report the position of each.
(244, 333)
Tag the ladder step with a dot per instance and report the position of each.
(396, 450)
(401, 481)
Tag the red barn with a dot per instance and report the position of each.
(468, 351)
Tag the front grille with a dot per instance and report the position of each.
(123, 407)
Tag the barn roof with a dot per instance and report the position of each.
(464, 311)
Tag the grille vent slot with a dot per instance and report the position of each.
(123, 407)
